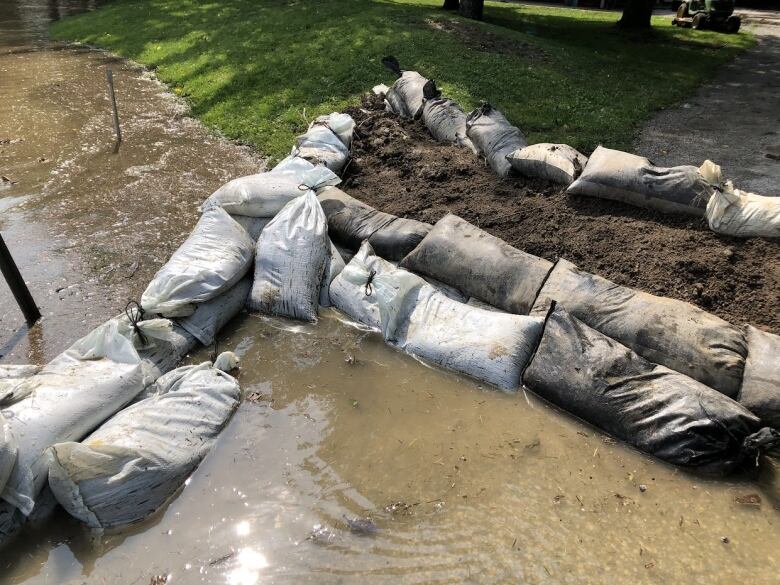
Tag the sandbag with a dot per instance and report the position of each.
(559, 163)
(494, 137)
(292, 163)
(327, 141)
(479, 265)
(134, 463)
(8, 450)
(444, 118)
(216, 255)
(11, 376)
(351, 221)
(213, 315)
(264, 194)
(760, 391)
(94, 378)
(165, 354)
(666, 331)
(405, 96)
(333, 268)
(291, 255)
(655, 409)
(632, 179)
(737, 213)
(254, 226)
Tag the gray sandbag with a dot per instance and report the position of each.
(291, 255)
(350, 222)
(333, 268)
(327, 141)
(213, 315)
(760, 391)
(444, 118)
(657, 410)
(264, 194)
(216, 255)
(8, 450)
(405, 96)
(254, 226)
(666, 331)
(136, 461)
(558, 163)
(11, 377)
(632, 179)
(494, 137)
(479, 265)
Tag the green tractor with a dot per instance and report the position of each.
(714, 14)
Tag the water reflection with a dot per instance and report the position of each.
(250, 563)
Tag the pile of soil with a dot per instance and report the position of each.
(398, 168)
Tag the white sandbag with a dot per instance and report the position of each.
(380, 90)
(559, 163)
(72, 395)
(8, 451)
(254, 226)
(213, 315)
(490, 346)
(494, 137)
(327, 141)
(291, 255)
(292, 163)
(216, 255)
(333, 268)
(264, 194)
(738, 213)
(12, 376)
(132, 465)
(632, 179)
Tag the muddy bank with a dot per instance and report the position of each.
(400, 169)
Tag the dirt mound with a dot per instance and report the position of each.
(399, 168)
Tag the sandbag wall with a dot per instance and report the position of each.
(607, 174)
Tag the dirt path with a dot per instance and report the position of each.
(734, 121)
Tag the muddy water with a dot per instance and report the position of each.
(87, 226)
(463, 484)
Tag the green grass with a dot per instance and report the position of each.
(252, 68)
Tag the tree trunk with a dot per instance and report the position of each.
(472, 8)
(451, 4)
(637, 14)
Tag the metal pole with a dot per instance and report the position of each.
(17, 285)
(110, 78)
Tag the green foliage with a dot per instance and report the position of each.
(257, 70)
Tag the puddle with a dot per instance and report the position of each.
(462, 483)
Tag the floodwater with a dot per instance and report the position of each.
(88, 227)
(462, 483)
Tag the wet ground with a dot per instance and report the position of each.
(87, 227)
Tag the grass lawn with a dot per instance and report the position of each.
(258, 69)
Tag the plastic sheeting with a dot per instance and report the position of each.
(265, 194)
(760, 391)
(350, 222)
(632, 179)
(657, 410)
(213, 315)
(130, 466)
(494, 137)
(559, 163)
(292, 253)
(666, 331)
(216, 255)
(479, 265)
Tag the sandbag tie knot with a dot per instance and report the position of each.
(369, 283)
(135, 314)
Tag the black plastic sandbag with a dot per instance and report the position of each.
(479, 265)
(350, 222)
(760, 392)
(666, 331)
(655, 409)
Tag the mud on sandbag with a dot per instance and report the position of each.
(760, 391)
(333, 268)
(558, 163)
(74, 393)
(350, 222)
(666, 331)
(479, 265)
(405, 96)
(737, 213)
(494, 137)
(444, 118)
(655, 409)
(327, 141)
(632, 179)
(264, 194)
(213, 315)
(292, 252)
(136, 461)
(215, 256)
